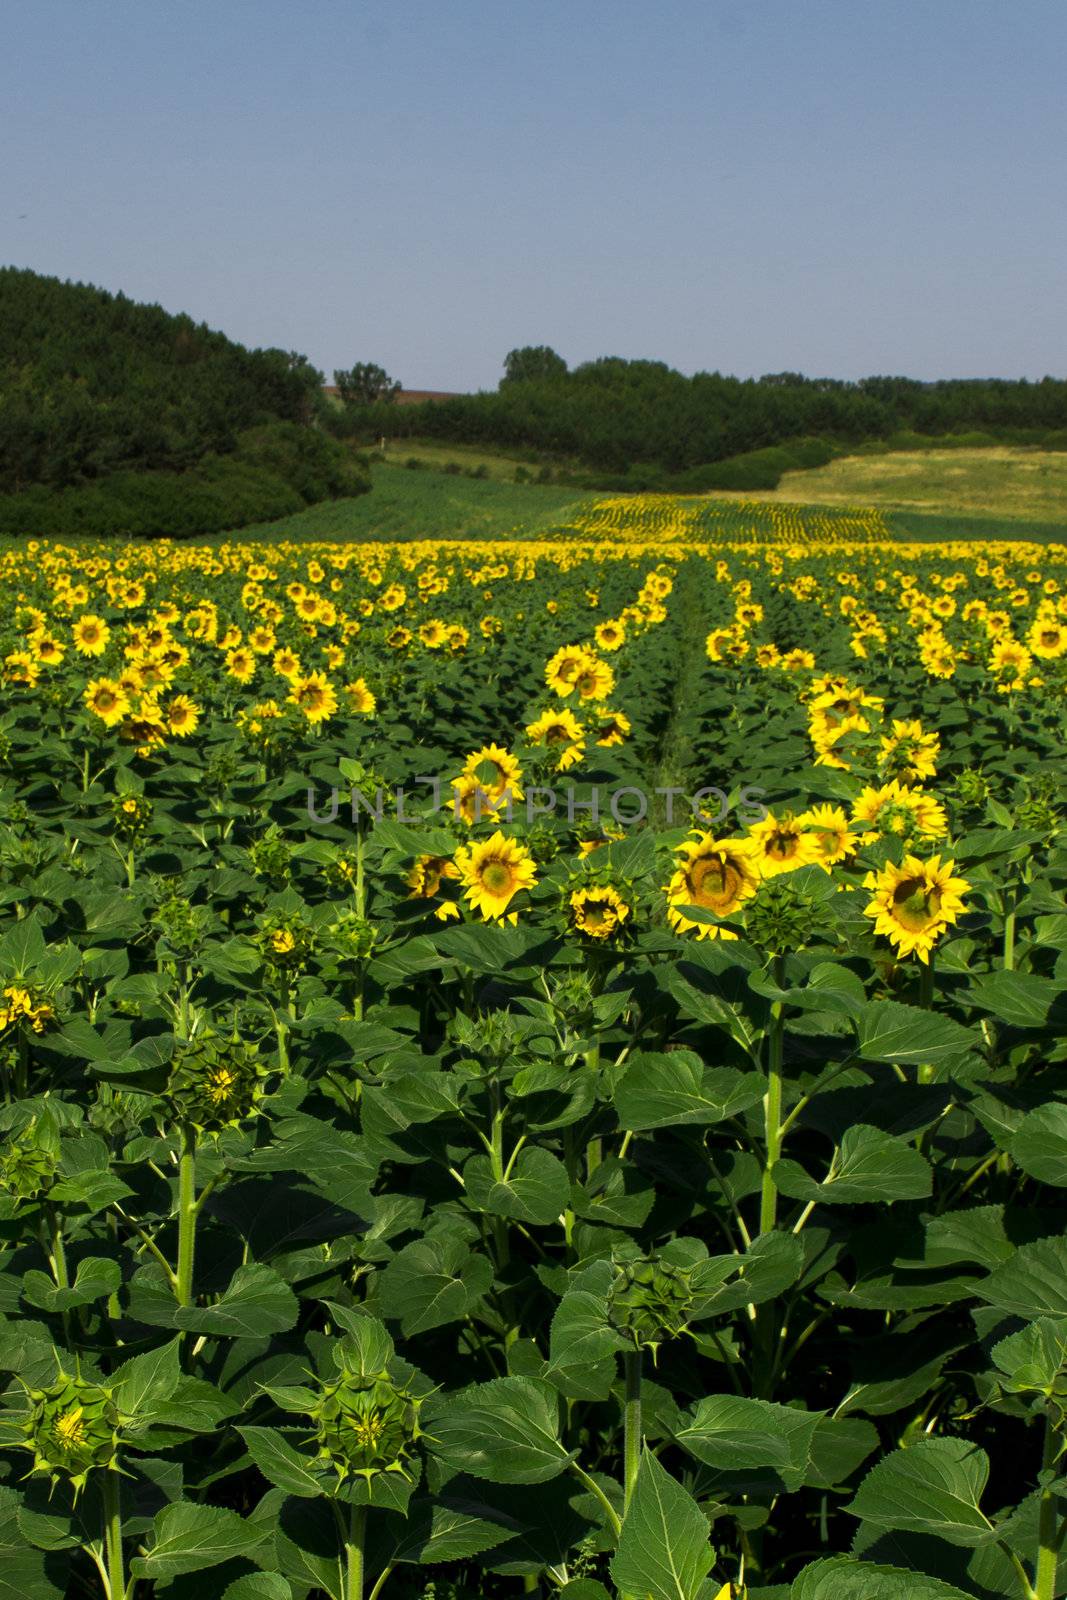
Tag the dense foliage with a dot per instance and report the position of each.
(120, 418)
(619, 415)
(567, 1182)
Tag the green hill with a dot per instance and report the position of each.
(117, 417)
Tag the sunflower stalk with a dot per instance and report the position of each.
(111, 1493)
(354, 1543)
(632, 1439)
(1051, 1526)
(187, 1215)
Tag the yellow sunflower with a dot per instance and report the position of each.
(91, 635)
(361, 700)
(315, 696)
(493, 872)
(598, 912)
(914, 903)
(834, 840)
(718, 875)
(563, 732)
(781, 844)
(106, 700)
(896, 808)
(183, 716)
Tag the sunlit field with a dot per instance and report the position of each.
(532, 1064)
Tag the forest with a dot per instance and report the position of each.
(117, 417)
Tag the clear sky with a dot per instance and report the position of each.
(834, 187)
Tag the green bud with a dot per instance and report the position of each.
(650, 1300)
(781, 916)
(72, 1428)
(216, 1083)
(366, 1424)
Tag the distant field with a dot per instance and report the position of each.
(994, 494)
(1020, 485)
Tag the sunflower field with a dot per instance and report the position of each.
(534, 1068)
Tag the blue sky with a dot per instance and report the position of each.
(829, 186)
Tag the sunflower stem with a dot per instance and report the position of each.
(187, 1211)
(281, 1023)
(1051, 1527)
(357, 1529)
(772, 1107)
(632, 1434)
(111, 1492)
(1009, 935)
(594, 1150)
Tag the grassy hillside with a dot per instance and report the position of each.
(1003, 484)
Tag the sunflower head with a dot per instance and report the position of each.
(716, 875)
(914, 903)
(782, 916)
(366, 1424)
(651, 1299)
(28, 1162)
(216, 1082)
(71, 1428)
(493, 872)
(599, 912)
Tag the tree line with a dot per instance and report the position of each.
(623, 416)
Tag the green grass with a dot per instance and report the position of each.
(428, 505)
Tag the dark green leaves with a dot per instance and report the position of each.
(664, 1552)
(933, 1487)
(677, 1090)
(506, 1431)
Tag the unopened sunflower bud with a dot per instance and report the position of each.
(781, 917)
(216, 1083)
(650, 1300)
(72, 1428)
(366, 1425)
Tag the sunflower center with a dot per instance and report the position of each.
(714, 883)
(497, 877)
(915, 905)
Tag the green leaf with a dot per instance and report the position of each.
(451, 1530)
(142, 1383)
(506, 1430)
(432, 1281)
(582, 1347)
(281, 1464)
(1033, 1359)
(842, 1578)
(1040, 1145)
(932, 1487)
(1032, 1284)
(664, 1551)
(889, 1031)
(259, 1586)
(96, 1277)
(535, 1190)
(1021, 999)
(188, 1538)
(24, 1571)
(257, 1302)
(868, 1165)
(737, 1436)
(677, 1090)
